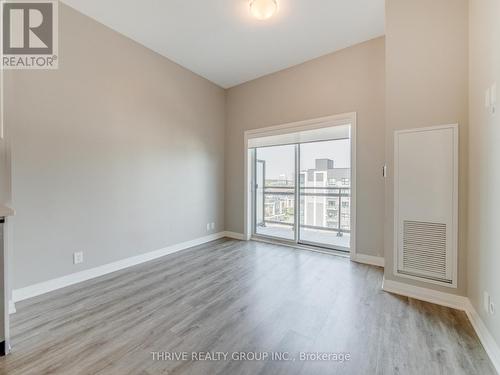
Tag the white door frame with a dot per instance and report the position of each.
(317, 123)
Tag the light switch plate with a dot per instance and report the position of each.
(486, 302)
(493, 99)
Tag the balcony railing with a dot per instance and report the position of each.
(276, 210)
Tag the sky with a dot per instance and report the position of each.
(280, 159)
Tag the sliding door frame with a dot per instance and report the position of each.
(312, 243)
(297, 194)
(249, 171)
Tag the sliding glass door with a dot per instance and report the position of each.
(325, 193)
(275, 191)
(302, 193)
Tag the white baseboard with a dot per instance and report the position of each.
(369, 259)
(12, 307)
(235, 235)
(428, 295)
(450, 300)
(61, 282)
(489, 343)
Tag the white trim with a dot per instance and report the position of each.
(454, 301)
(247, 209)
(424, 294)
(12, 307)
(489, 343)
(354, 198)
(369, 259)
(74, 278)
(454, 260)
(427, 128)
(311, 124)
(235, 235)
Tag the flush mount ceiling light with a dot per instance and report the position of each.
(263, 9)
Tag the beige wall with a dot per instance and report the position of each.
(351, 80)
(119, 152)
(484, 161)
(426, 85)
(4, 172)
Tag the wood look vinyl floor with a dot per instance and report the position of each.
(240, 298)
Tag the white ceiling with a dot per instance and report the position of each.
(221, 41)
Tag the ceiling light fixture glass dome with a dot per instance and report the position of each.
(263, 9)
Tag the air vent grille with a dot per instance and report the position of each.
(424, 249)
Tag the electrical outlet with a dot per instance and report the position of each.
(78, 257)
(212, 226)
(208, 227)
(492, 307)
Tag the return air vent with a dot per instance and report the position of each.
(424, 249)
(426, 204)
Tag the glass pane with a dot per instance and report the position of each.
(325, 193)
(275, 191)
